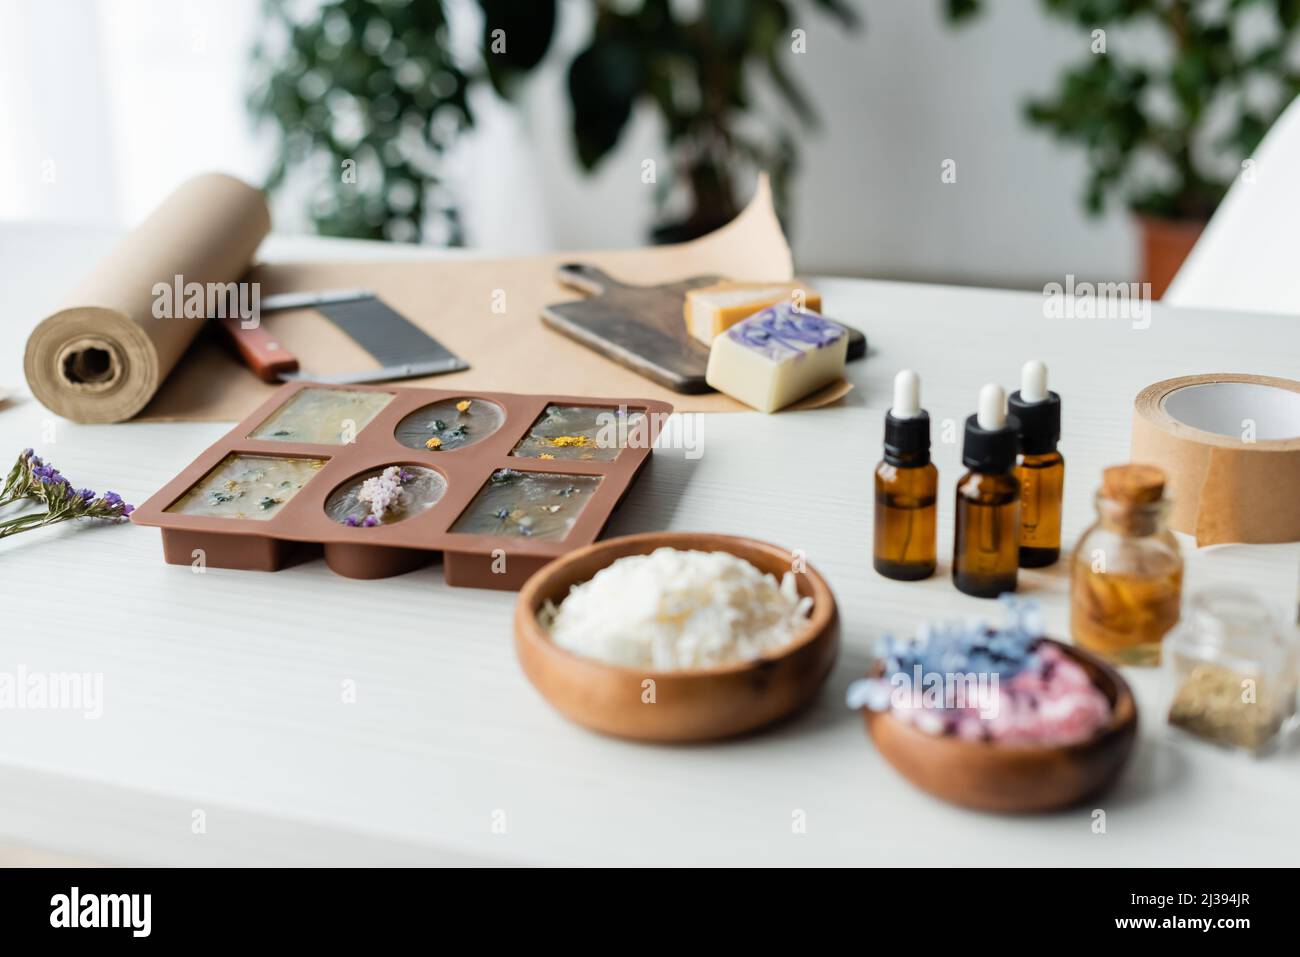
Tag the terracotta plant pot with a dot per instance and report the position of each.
(1166, 243)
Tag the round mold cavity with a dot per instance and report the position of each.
(418, 489)
(369, 562)
(450, 424)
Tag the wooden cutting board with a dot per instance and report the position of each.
(642, 327)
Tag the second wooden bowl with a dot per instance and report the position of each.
(1015, 778)
(695, 705)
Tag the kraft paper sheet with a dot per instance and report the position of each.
(487, 312)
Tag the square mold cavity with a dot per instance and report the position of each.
(536, 505)
(583, 432)
(323, 416)
(247, 486)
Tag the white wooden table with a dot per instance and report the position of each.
(223, 690)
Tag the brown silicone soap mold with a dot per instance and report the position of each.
(263, 524)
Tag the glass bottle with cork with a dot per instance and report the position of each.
(1040, 468)
(907, 487)
(986, 540)
(1126, 575)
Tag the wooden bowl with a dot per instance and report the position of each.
(1014, 778)
(695, 705)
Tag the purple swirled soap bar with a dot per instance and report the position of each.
(777, 356)
(780, 330)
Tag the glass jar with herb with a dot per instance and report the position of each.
(1126, 575)
(1234, 671)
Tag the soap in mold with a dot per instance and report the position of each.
(777, 357)
(587, 433)
(247, 487)
(518, 504)
(450, 424)
(417, 490)
(323, 416)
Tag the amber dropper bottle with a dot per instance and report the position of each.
(907, 486)
(986, 544)
(1039, 467)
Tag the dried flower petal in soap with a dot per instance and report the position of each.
(777, 357)
(527, 504)
(449, 424)
(323, 416)
(589, 433)
(383, 497)
(247, 486)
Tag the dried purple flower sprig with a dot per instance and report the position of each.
(31, 479)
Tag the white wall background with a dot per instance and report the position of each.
(123, 100)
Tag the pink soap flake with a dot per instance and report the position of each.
(975, 682)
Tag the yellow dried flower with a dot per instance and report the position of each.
(568, 441)
(546, 455)
(462, 405)
(433, 443)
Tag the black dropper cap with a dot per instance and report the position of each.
(990, 450)
(907, 441)
(1040, 422)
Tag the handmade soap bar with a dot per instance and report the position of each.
(323, 416)
(712, 310)
(384, 496)
(450, 424)
(777, 357)
(247, 486)
(516, 504)
(588, 433)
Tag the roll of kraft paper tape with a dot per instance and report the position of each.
(103, 355)
(1230, 445)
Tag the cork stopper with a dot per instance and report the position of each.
(1133, 484)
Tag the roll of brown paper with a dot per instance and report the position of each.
(1230, 445)
(103, 355)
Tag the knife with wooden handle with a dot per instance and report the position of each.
(403, 349)
(260, 351)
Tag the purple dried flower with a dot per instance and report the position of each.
(370, 521)
(383, 491)
(35, 480)
(351, 521)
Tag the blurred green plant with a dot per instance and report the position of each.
(1168, 134)
(702, 75)
(369, 96)
(375, 84)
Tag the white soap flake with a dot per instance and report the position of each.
(678, 610)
